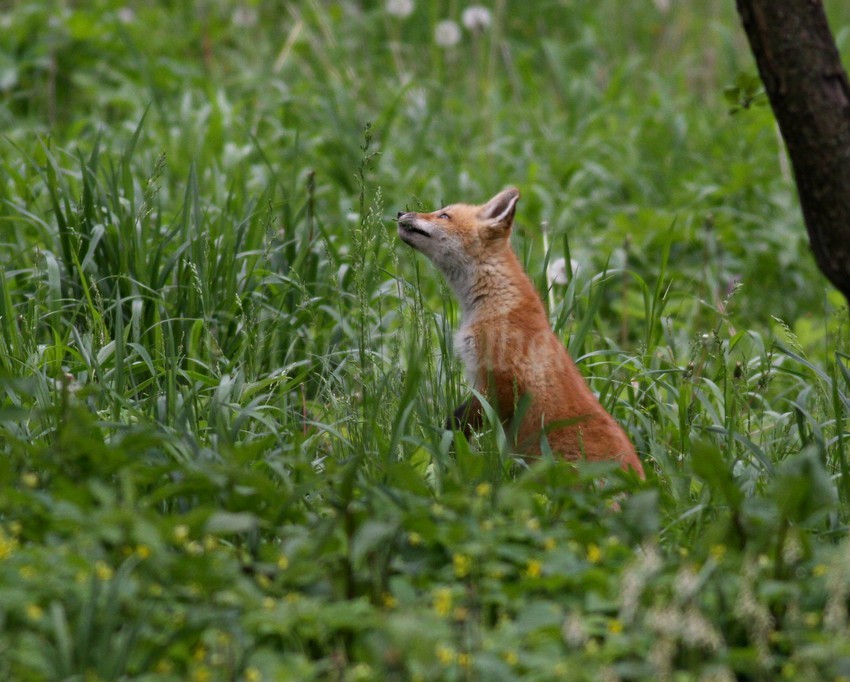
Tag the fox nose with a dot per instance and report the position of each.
(400, 214)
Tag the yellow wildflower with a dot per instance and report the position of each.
(443, 601)
(462, 565)
(594, 554)
(483, 489)
(201, 674)
(7, 545)
(533, 569)
(446, 655)
(103, 571)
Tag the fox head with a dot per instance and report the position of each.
(460, 237)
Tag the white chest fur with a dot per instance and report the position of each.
(467, 350)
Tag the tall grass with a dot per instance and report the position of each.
(224, 381)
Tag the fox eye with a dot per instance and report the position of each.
(444, 216)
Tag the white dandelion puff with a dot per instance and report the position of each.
(447, 33)
(126, 15)
(399, 8)
(557, 271)
(476, 18)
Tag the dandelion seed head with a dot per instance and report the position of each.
(447, 33)
(126, 15)
(557, 271)
(476, 18)
(399, 8)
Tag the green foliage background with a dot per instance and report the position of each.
(222, 376)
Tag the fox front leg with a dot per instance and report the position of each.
(467, 417)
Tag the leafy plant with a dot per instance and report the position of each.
(222, 385)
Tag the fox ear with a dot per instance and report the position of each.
(498, 213)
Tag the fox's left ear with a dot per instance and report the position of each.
(498, 213)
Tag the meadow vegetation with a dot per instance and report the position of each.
(223, 378)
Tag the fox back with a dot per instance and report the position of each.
(510, 352)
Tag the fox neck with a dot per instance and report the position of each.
(496, 282)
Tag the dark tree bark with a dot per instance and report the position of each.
(808, 90)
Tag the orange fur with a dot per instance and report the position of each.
(505, 340)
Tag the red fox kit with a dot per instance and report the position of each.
(508, 348)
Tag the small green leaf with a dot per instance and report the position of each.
(710, 465)
(369, 537)
(803, 487)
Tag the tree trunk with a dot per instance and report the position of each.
(808, 90)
